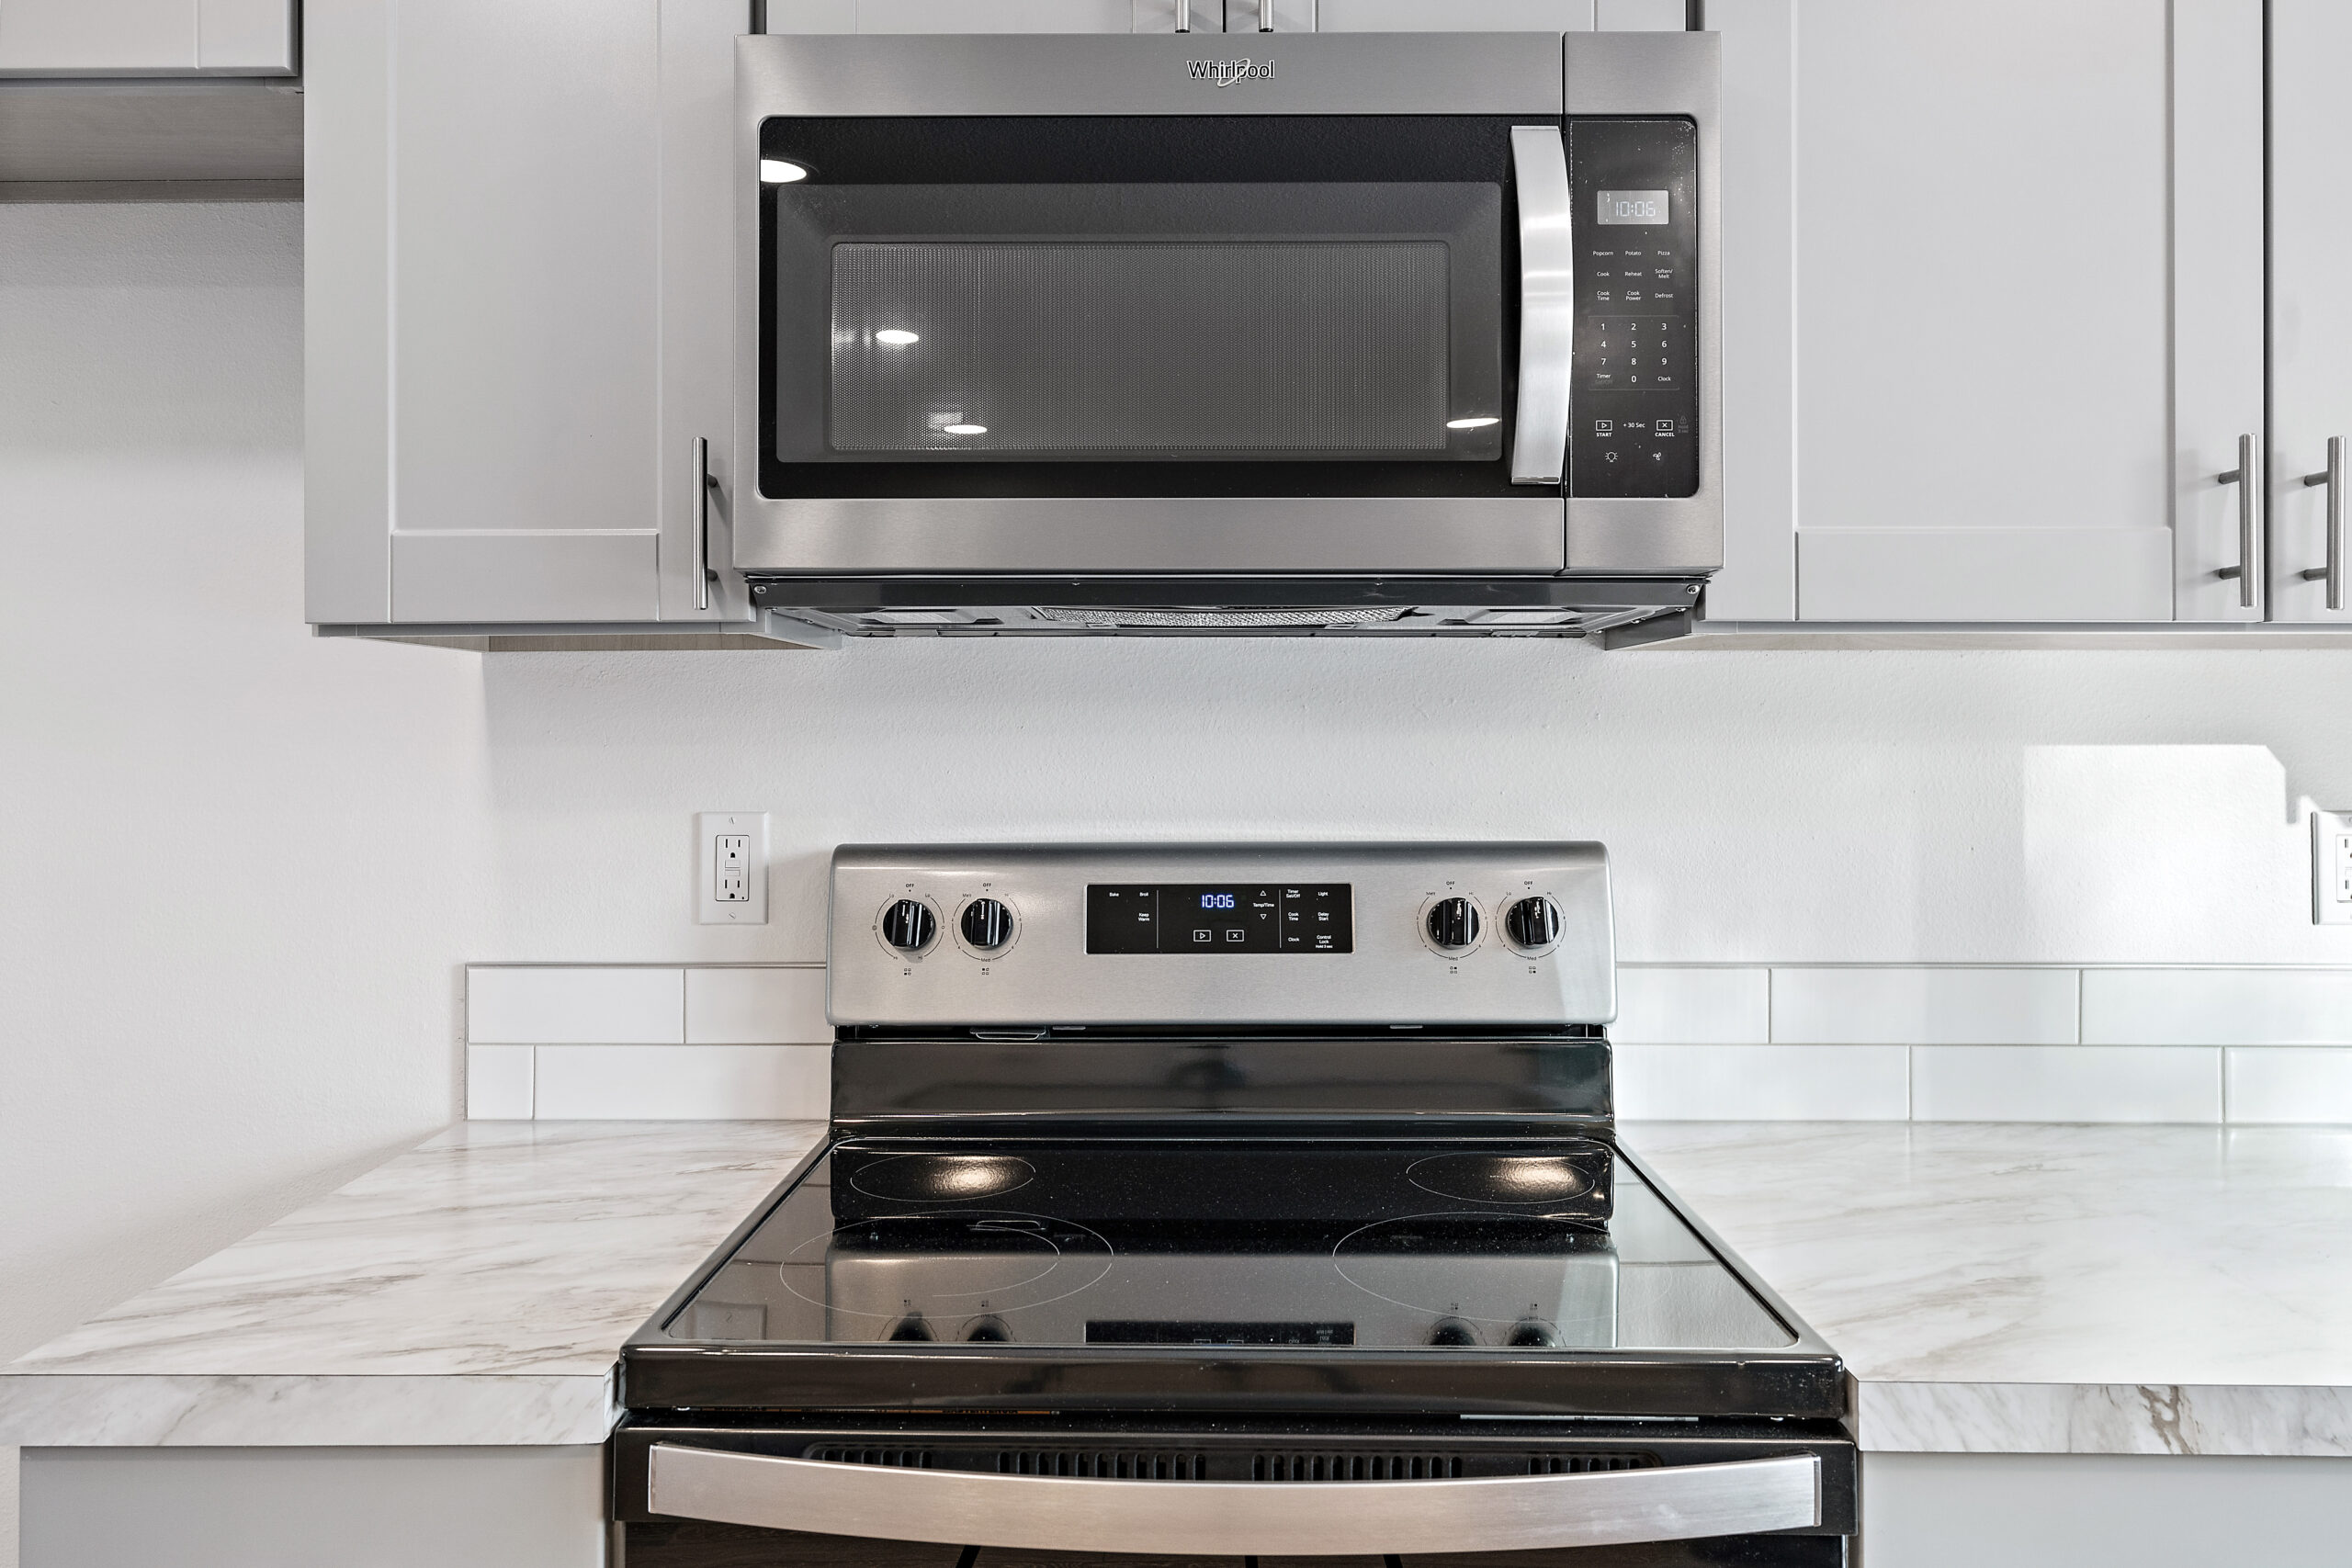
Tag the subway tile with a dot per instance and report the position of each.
(498, 1083)
(1673, 1006)
(574, 1005)
(2289, 1084)
(756, 1007)
(2217, 1007)
(1762, 1083)
(2066, 1083)
(659, 1083)
(1901, 1006)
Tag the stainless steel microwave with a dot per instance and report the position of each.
(1376, 334)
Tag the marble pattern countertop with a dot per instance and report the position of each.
(474, 1290)
(1993, 1287)
(2004, 1288)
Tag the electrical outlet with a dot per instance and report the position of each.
(731, 874)
(2332, 868)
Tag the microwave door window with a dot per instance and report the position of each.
(1311, 323)
(1141, 348)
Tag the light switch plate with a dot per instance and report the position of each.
(2332, 868)
(731, 868)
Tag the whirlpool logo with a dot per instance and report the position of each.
(1226, 72)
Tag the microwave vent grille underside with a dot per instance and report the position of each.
(1049, 620)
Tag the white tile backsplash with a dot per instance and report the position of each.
(654, 1083)
(1873, 1005)
(498, 1083)
(2066, 1083)
(749, 1006)
(2289, 1084)
(574, 1005)
(2218, 1007)
(1765, 1083)
(1669, 1006)
(1700, 1041)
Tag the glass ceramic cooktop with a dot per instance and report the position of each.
(1106, 1242)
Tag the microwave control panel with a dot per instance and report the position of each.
(1634, 401)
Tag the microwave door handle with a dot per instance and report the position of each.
(1547, 315)
(1223, 1519)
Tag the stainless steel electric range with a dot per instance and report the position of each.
(1227, 1205)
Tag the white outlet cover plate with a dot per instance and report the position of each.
(710, 826)
(2332, 868)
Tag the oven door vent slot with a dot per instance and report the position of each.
(1586, 1464)
(1105, 1465)
(1301, 1465)
(898, 1458)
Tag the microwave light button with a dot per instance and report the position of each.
(897, 337)
(777, 172)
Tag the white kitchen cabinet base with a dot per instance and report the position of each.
(360, 1507)
(2068, 1510)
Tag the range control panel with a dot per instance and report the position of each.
(1633, 393)
(1203, 936)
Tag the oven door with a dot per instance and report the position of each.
(1295, 344)
(908, 1498)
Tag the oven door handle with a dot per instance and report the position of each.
(1547, 305)
(1044, 1513)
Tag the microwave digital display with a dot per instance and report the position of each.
(1646, 207)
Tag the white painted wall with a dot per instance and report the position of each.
(237, 866)
(1792, 807)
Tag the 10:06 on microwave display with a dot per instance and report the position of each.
(1635, 207)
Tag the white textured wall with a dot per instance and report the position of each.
(1987, 806)
(236, 865)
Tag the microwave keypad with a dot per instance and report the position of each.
(1634, 397)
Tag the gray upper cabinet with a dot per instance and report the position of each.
(2028, 266)
(2311, 307)
(147, 38)
(518, 239)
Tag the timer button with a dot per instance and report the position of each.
(1452, 925)
(987, 924)
(909, 925)
(1533, 923)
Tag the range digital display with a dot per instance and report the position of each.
(1194, 916)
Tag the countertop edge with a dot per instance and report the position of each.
(2233, 1419)
(176, 1410)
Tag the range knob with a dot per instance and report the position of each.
(1454, 924)
(988, 924)
(1452, 1331)
(909, 925)
(1532, 922)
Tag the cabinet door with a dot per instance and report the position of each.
(2028, 306)
(2310, 299)
(147, 38)
(484, 311)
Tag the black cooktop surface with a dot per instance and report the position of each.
(1546, 1248)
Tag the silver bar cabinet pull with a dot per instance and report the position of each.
(2249, 483)
(703, 484)
(1235, 1518)
(2332, 477)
